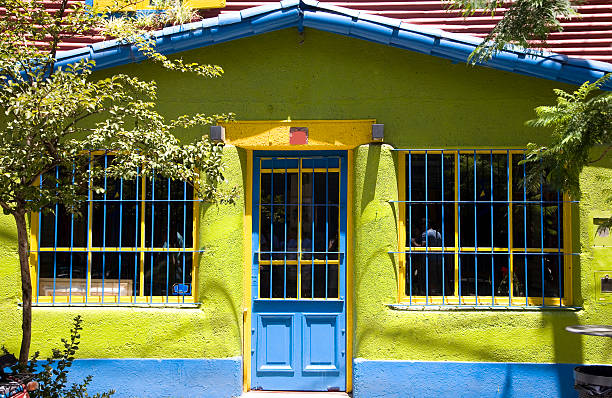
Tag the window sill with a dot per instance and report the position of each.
(408, 307)
(116, 305)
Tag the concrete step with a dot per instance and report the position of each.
(293, 394)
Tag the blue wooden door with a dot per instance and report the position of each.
(298, 273)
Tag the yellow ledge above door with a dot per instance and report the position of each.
(322, 134)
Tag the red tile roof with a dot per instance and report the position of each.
(589, 36)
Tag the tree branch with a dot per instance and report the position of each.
(602, 155)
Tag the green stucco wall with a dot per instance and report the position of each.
(423, 102)
(516, 336)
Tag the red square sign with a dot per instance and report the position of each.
(298, 136)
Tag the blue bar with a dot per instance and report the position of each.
(409, 243)
(475, 233)
(271, 223)
(55, 238)
(120, 237)
(442, 227)
(458, 188)
(312, 238)
(38, 259)
(559, 258)
(152, 234)
(104, 229)
(185, 236)
(136, 244)
(89, 242)
(492, 224)
(168, 245)
(510, 255)
(426, 237)
(71, 245)
(327, 222)
(525, 232)
(299, 232)
(285, 243)
(542, 233)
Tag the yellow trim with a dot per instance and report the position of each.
(401, 186)
(141, 250)
(303, 170)
(512, 250)
(143, 193)
(510, 230)
(123, 6)
(349, 272)
(34, 225)
(456, 209)
(110, 299)
(248, 265)
(322, 134)
(567, 248)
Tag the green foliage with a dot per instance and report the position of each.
(526, 23)
(581, 122)
(54, 117)
(53, 377)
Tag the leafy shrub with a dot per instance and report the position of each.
(53, 378)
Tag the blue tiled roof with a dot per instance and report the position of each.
(352, 23)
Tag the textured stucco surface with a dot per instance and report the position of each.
(211, 331)
(501, 336)
(401, 379)
(423, 102)
(163, 378)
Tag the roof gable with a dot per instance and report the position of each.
(352, 23)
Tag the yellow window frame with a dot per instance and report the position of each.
(141, 250)
(300, 171)
(483, 300)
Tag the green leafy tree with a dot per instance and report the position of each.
(54, 117)
(581, 123)
(526, 23)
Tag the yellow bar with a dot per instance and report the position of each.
(246, 277)
(34, 226)
(567, 250)
(483, 300)
(456, 207)
(349, 272)
(142, 235)
(195, 260)
(510, 230)
(316, 170)
(401, 186)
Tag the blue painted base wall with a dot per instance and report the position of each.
(160, 378)
(395, 379)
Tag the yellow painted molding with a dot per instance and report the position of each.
(149, 5)
(322, 134)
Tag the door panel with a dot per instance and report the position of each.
(275, 340)
(298, 271)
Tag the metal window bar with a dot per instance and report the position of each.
(66, 291)
(317, 259)
(491, 251)
(443, 227)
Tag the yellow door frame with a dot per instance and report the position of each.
(274, 135)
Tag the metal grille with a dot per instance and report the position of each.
(471, 232)
(134, 243)
(299, 208)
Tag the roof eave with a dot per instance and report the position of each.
(308, 13)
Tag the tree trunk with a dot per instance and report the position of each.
(26, 285)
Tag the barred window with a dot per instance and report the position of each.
(471, 233)
(134, 243)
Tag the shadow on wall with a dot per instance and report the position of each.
(371, 175)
